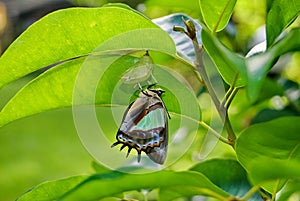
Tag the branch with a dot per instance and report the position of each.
(191, 32)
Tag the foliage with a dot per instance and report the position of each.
(73, 59)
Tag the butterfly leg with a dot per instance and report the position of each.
(123, 146)
(129, 149)
(115, 144)
(139, 155)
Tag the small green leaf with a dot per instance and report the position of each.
(105, 185)
(259, 65)
(228, 63)
(63, 35)
(290, 188)
(267, 142)
(251, 70)
(216, 13)
(228, 175)
(52, 190)
(280, 15)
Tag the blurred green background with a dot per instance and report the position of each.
(46, 146)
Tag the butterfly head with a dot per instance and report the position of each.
(158, 91)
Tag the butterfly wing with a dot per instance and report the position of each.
(158, 154)
(144, 127)
(132, 114)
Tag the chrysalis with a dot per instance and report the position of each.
(139, 72)
(145, 126)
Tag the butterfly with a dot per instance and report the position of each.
(145, 126)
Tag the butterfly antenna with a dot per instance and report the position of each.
(115, 144)
(151, 85)
(129, 149)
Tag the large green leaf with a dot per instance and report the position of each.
(259, 65)
(280, 15)
(228, 175)
(285, 169)
(191, 6)
(95, 79)
(109, 184)
(38, 148)
(52, 190)
(216, 13)
(66, 34)
(228, 63)
(277, 141)
(54, 88)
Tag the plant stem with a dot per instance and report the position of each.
(215, 133)
(248, 195)
(230, 98)
(221, 110)
(264, 195)
(230, 90)
(275, 189)
(204, 125)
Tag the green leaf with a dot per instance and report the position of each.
(105, 185)
(290, 188)
(270, 114)
(52, 190)
(281, 14)
(216, 13)
(96, 80)
(228, 175)
(38, 148)
(54, 88)
(259, 65)
(180, 191)
(267, 142)
(285, 169)
(228, 63)
(99, 168)
(251, 70)
(191, 6)
(63, 35)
